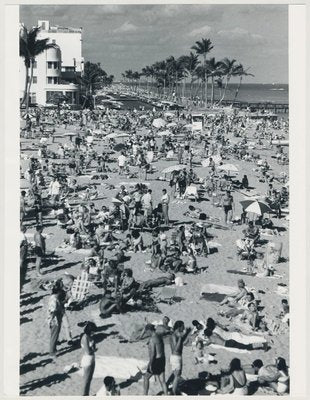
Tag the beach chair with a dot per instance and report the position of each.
(79, 290)
(166, 295)
(191, 193)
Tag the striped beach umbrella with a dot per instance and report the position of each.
(255, 207)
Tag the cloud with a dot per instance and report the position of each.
(242, 35)
(126, 27)
(203, 31)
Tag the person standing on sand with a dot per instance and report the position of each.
(23, 255)
(228, 206)
(177, 341)
(165, 199)
(88, 360)
(39, 248)
(157, 360)
(54, 319)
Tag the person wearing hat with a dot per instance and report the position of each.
(242, 292)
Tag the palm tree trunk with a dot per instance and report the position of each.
(29, 87)
(206, 80)
(225, 88)
(26, 85)
(212, 90)
(237, 90)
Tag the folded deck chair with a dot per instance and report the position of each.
(166, 295)
(80, 288)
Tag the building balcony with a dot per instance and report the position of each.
(63, 87)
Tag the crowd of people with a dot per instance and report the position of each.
(68, 178)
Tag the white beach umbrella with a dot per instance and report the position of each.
(168, 170)
(159, 123)
(228, 168)
(172, 125)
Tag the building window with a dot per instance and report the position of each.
(49, 64)
(33, 98)
(34, 64)
(53, 96)
(52, 80)
(69, 69)
(34, 79)
(56, 65)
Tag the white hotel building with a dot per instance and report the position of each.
(56, 69)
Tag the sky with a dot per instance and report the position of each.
(123, 37)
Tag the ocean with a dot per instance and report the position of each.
(249, 92)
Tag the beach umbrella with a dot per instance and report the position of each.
(228, 168)
(116, 201)
(172, 125)
(115, 135)
(168, 170)
(119, 147)
(188, 126)
(169, 115)
(159, 123)
(255, 207)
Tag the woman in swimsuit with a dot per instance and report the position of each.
(88, 360)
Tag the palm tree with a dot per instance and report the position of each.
(147, 72)
(136, 78)
(202, 48)
(190, 64)
(229, 69)
(215, 70)
(29, 48)
(93, 77)
(241, 72)
(160, 72)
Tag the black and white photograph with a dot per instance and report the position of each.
(154, 199)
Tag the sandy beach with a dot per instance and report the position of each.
(42, 376)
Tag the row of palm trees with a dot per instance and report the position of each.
(30, 47)
(168, 78)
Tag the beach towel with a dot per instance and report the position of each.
(118, 367)
(220, 289)
(231, 349)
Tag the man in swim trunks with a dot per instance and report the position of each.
(177, 341)
(157, 360)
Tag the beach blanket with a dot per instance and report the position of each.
(118, 367)
(213, 292)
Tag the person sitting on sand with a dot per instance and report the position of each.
(200, 356)
(109, 388)
(275, 376)
(237, 381)
(242, 291)
(251, 232)
(108, 305)
(250, 316)
(238, 308)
